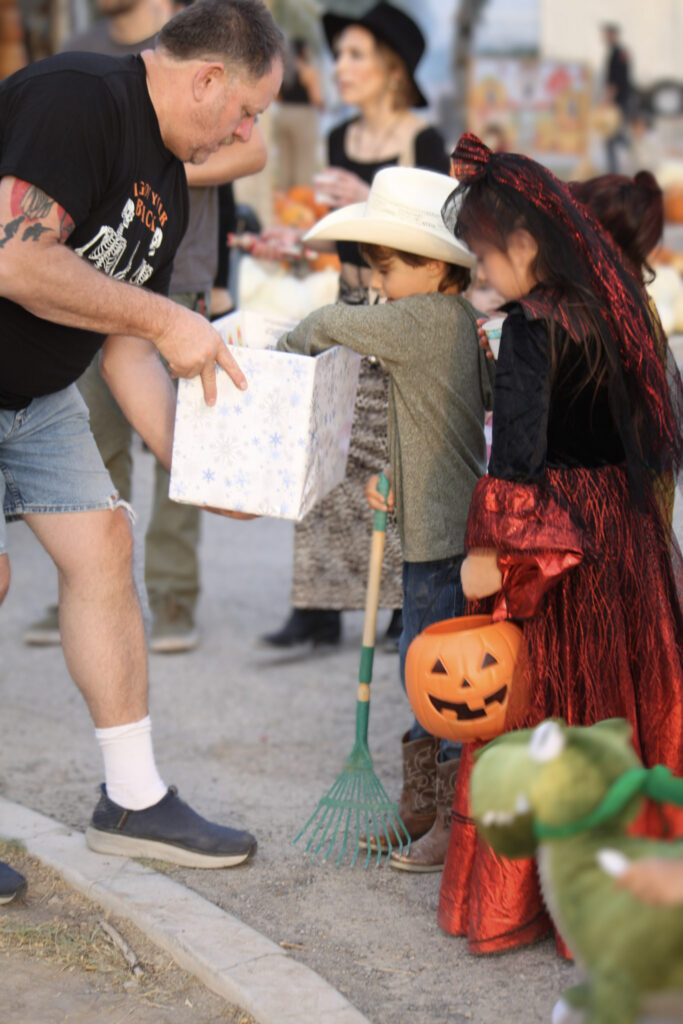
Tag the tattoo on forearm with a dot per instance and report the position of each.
(34, 232)
(10, 230)
(35, 205)
(29, 203)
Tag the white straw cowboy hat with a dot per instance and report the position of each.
(403, 211)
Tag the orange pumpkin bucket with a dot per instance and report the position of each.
(465, 678)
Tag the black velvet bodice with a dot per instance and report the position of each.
(539, 421)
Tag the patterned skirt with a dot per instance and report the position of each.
(332, 543)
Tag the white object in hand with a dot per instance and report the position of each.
(323, 185)
(493, 329)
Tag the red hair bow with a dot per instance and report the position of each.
(470, 158)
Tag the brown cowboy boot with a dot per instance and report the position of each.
(417, 803)
(429, 852)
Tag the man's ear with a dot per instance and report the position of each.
(206, 78)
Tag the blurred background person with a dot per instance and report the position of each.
(375, 60)
(295, 117)
(619, 90)
(172, 573)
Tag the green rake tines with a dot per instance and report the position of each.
(357, 810)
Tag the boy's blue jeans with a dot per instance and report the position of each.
(431, 592)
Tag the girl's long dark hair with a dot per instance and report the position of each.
(584, 287)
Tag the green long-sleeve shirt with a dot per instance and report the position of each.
(441, 386)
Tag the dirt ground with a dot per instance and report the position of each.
(253, 738)
(65, 961)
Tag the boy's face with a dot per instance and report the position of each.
(395, 279)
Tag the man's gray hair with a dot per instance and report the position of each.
(240, 33)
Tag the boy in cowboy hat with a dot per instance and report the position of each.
(425, 333)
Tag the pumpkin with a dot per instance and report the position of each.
(464, 678)
(673, 203)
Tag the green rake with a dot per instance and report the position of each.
(357, 809)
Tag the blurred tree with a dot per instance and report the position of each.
(466, 18)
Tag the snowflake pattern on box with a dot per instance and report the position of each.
(275, 449)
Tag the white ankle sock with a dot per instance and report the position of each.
(130, 772)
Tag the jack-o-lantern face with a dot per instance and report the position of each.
(463, 677)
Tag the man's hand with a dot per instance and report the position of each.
(230, 514)
(192, 347)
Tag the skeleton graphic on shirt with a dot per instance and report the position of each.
(106, 249)
(145, 270)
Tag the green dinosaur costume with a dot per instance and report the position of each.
(568, 794)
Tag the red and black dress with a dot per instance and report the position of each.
(588, 574)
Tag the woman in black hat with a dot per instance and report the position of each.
(375, 60)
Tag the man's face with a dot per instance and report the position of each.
(226, 112)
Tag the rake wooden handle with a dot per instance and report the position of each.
(379, 530)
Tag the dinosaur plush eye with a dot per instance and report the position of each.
(547, 742)
(459, 677)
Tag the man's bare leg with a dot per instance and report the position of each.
(104, 647)
(100, 616)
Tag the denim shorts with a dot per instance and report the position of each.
(49, 461)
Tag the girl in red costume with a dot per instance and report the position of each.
(564, 534)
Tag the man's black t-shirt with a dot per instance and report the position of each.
(82, 128)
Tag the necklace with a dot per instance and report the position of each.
(370, 146)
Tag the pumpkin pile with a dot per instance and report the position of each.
(297, 208)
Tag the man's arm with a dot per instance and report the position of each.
(142, 387)
(237, 160)
(43, 275)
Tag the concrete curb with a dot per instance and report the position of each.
(226, 955)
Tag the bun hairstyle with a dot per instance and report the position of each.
(631, 209)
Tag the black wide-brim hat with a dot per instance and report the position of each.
(391, 26)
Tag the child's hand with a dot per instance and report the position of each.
(274, 243)
(375, 499)
(654, 880)
(489, 331)
(480, 575)
(483, 337)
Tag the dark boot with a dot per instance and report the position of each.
(317, 625)
(417, 803)
(393, 634)
(429, 852)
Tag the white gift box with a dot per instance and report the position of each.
(276, 448)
